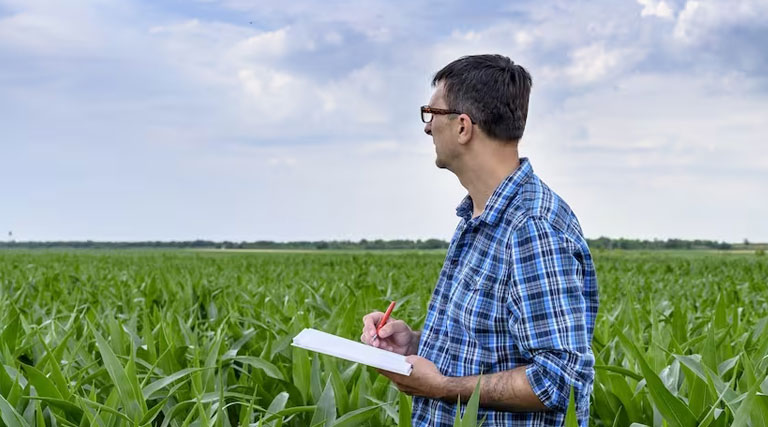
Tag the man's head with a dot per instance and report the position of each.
(485, 93)
(492, 90)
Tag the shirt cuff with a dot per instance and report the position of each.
(540, 385)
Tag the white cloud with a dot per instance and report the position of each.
(273, 96)
(357, 96)
(333, 38)
(660, 9)
(282, 161)
(700, 18)
(45, 32)
(672, 116)
(636, 158)
(523, 39)
(594, 62)
(266, 97)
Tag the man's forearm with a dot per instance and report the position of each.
(505, 391)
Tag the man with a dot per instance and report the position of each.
(516, 299)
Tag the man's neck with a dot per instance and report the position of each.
(483, 174)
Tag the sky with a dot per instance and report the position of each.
(273, 120)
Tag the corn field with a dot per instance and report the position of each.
(124, 338)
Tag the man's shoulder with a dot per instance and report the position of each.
(537, 202)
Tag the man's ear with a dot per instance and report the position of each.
(465, 129)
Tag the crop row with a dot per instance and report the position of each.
(182, 339)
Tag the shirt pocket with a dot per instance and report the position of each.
(480, 278)
(477, 299)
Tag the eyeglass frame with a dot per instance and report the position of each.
(439, 111)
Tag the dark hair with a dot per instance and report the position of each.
(492, 90)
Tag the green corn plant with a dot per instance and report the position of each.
(173, 338)
(469, 419)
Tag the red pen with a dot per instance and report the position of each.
(384, 320)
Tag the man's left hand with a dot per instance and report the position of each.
(425, 379)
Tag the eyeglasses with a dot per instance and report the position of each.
(428, 113)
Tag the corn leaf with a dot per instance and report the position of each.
(10, 417)
(570, 415)
(674, 411)
(325, 413)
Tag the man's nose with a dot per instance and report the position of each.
(428, 129)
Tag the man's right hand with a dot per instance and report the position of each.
(395, 336)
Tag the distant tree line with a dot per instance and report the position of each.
(209, 244)
(633, 244)
(599, 243)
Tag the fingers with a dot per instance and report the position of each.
(370, 321)
(368, 334)
(393, 327)
(367, 339)
(369, 327)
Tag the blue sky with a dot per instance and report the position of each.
(245, 120)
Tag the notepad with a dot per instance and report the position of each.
(332, 345)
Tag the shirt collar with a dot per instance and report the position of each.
(500, 198)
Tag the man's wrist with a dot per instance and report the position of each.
(454, 388)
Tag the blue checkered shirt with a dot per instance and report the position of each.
(517, 288)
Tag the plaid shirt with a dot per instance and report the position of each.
(517, 288)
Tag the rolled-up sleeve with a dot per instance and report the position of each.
(548, 314)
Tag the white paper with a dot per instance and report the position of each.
(332, 345)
